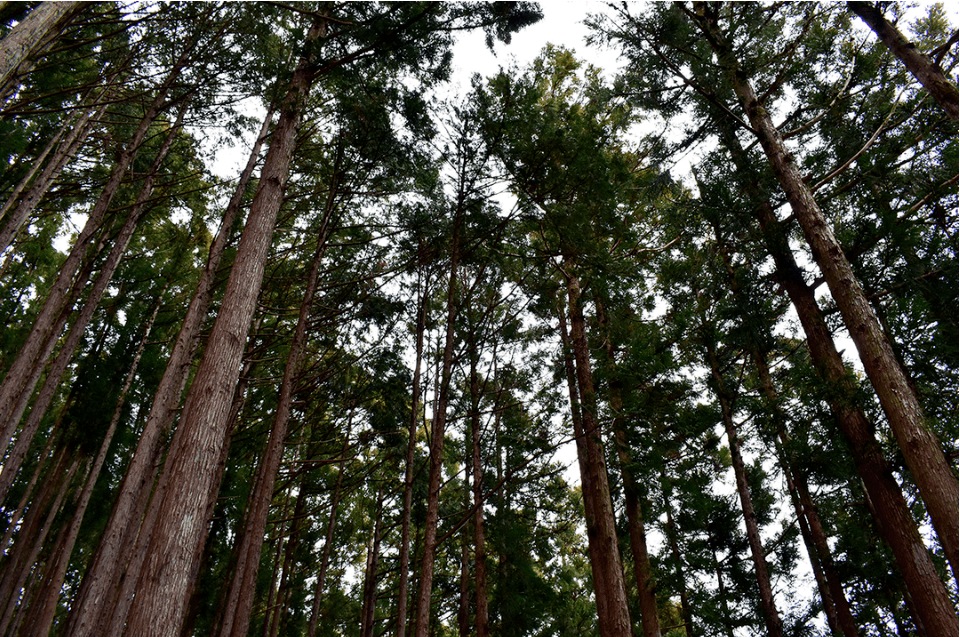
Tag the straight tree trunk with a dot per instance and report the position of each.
(922, 451)
(243, 586)
(160, 598)
(482, 620)
(31, 35)
(409, 468)
(927, 72)
(139, 477)
(671, 535)
(368, 619)
(771, 616)
(642, 569)
(437, 435)
(328, 540)
(610, 590)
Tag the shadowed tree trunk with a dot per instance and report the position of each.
(31, 35)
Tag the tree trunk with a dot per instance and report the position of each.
(770, 614)
(409, 468)
(160, 598)
(138, 480)
(436, 438)
(482, 621)
(921, 449)
(671, 535)
(610, 590)
(927, 72)
(31, 35)
(369, 608)
(243, 585)
(642, 569)
(328, 540)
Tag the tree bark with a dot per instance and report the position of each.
(921, 449)
(369, 607)
(30, 35)
(771, 616)
(482, 620)
(160, 598)
(138, 480)
(610, 591)
(927, 72)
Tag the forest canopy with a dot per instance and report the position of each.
(669, 349)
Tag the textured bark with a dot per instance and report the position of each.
(31, 35)
(138, 480)
(160, 598)
(771, 616)
(610, 591)
(927, 72)
(368, 612)
(642, 568)
(243, 584)
(47, 606)
(671, 536)
(90, 304)
(922, 451)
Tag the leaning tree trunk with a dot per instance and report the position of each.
(771, 616)
(30, 35)
(160, 601)
(138, 480)
(243, 585)
(922, 451)
(893, 517)
(927, 72)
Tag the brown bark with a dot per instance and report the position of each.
(243, 585)
(927, 72)
(438, 427)
(922, 451)
(62, 361)
(47, 606)
(771, 616)
(160, 598)
(610, 590)
(671, 535)
(138, 480)
(642, 568)
(30, 35)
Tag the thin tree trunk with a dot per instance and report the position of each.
(30, 35)
(642, 569)
(922, 451)
(411, 457)
(927, 72)
(438, 427)
(671, 534)
(369, 607)
(770, 614)
(482, 621)
(328, 540)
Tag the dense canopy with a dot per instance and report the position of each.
(666, 349)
